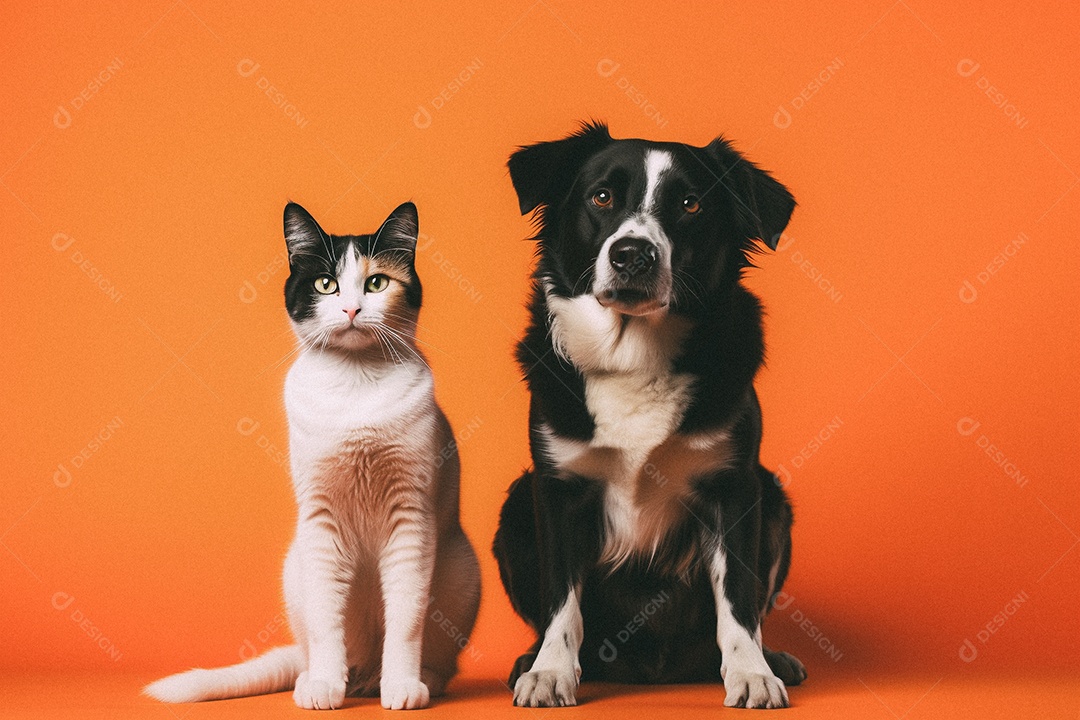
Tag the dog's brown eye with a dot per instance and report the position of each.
(691, 204)
(602, 198)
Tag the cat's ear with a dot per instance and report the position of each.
(302, 233)
(399, 230)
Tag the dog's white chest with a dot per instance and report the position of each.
(634, 413)
(635, 446)
(647, 467)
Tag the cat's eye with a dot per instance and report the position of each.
(325, 285)
(691, 204)
(376, 283)
(602, 198)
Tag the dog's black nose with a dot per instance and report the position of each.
(632, 255)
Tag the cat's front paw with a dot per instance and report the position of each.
(319, 693)
(545, 688)
(403, 694)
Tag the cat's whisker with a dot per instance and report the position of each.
(381, 331)
(415, 324)
(395, 332)
(382, 344)
(301, 345)
(325, 339)
(413, 338)
(405, 344)
(411, 321)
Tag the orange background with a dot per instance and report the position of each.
(168, 181)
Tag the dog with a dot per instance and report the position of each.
(647, 541)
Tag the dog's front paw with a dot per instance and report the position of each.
(545, 688)
(754, 690)
(403, 694)
(319, 693)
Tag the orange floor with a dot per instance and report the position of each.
(1042, 696)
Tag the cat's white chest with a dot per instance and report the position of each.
(331, 402)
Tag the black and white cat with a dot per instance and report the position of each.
(379, 552)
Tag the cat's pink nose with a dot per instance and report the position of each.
(351, 313)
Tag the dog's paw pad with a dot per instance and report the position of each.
(403, 694)
(754, 690)
(545, 688)
(318, 693)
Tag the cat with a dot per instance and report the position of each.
(381, 584)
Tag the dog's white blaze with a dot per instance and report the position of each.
(642, 224)
(742, 657)
(657, 163)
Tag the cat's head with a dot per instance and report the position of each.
(353, 292)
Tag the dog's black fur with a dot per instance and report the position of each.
(552, 531)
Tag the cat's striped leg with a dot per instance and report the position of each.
(324, 588)
(405, 566)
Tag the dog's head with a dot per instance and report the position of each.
(645, 227)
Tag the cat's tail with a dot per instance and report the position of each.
(273, 671)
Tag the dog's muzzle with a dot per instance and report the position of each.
(633, 286)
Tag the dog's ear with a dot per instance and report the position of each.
(542, 172)
(764, 204)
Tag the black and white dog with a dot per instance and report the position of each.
(647, 542)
